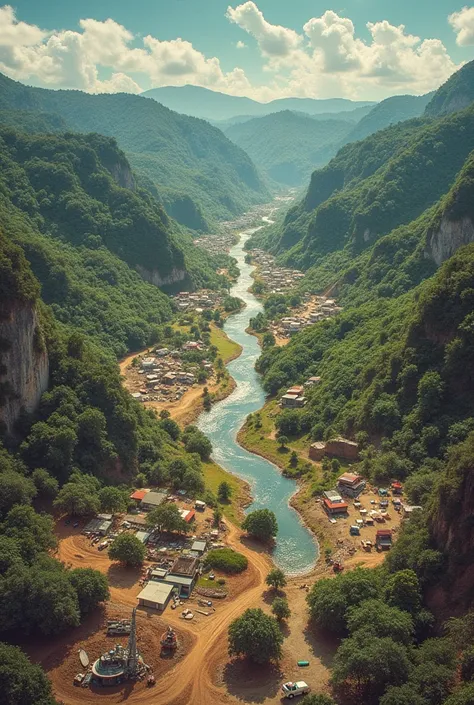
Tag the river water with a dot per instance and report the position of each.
(296, 550)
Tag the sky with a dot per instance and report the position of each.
(267, 49)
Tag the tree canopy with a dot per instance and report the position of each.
(255, 635)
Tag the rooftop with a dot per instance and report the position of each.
(349, 478)
(185, 566)
(139, 494)
(154, 498)
(155, 592)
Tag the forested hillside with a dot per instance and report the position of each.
(182, 156)
(388, 112)
(72, 203)
(288, 146)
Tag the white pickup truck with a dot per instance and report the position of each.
(291, 690)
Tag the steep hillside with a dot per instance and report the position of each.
(456, 94)
(181, 155)
(71, 202)
(389, 112)
(212, 105)
(288, 146)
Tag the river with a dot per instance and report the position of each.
(296, 550)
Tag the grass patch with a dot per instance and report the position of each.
(213, 476)
(226, 560)
(226, 347)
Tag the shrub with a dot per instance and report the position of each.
(226, 560)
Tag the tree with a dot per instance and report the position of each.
(256, 636)
(433, 680)
(403, 591)
(320, 699)
(371, 664)
(276, 578)
(462, 696)
(197, 442)
(467, 664)
(330, 599)
(224, 492)
(217, 516)
(171, 428)
(91, 587)
(261, 524)
(21, 682)
(402, 695)
(14, 489)
(167, 517)
(282, 441)
(127, 549)
(281, 608)
(32, 532)
(112, 500)
(75, 499)
(379, 619)
(46, 485)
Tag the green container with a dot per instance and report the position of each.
(303, 663)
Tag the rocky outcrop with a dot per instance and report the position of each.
(448, 237)
(154, 277)
(123, 175)
(24, 367)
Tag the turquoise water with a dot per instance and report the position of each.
(295, 551)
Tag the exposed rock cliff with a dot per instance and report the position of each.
(448, 237)
(24, 367)
(154, 277)
(123, 175)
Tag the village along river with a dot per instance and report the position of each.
(296, 550)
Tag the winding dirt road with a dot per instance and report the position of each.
(193, 679)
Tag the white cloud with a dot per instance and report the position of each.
(329, 59)
(273, 40)
(463, 24)
(325, 59)
(70, 59)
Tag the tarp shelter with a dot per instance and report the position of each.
(155, 595)
(99, 526)
(143, 536)
(199, 546)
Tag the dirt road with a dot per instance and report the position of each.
(193, 678)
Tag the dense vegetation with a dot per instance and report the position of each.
(455, 94)
(62, 198)
(182, 156)
(227, 560)
(288, 145)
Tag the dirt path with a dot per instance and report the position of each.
(192, 679)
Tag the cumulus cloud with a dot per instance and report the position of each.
(329, 59)
(463, 24)
(273, 40)
(73, 59)
(324, 59)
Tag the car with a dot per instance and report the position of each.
(290, 690)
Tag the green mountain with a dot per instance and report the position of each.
(93, 237)
(182, 156)
(286, 145)
(456, 94)
(370, 188)
(212, 105)
(389, 112)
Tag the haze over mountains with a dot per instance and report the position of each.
(212, 105)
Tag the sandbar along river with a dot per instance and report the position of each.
(296, 550)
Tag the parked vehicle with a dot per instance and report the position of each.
(291, 690)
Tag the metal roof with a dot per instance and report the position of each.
(179, 580)
(154, 498)
(198, 546)
(156, 592)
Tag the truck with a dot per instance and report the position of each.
(291, 690)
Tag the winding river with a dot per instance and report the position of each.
(295, 551)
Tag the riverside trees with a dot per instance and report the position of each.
(261, 524)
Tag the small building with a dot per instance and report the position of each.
(335, 507)
(312, 381)
(180, 582)
(342, 448)
(152, 500)
(332, 496)
(397, 488)
(148, 363)
(138, 495)
(292, 401)
(183, 574)
(143, 536)
(155, 595)
(350, 484)
(99, 526)
(383, 539)
(199, 547)
(316, 450)
(297, 389)
(188, 515)
(169, 378)
(158, 574)
(137, 521)
(199, 505)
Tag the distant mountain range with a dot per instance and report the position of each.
(212, 105)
